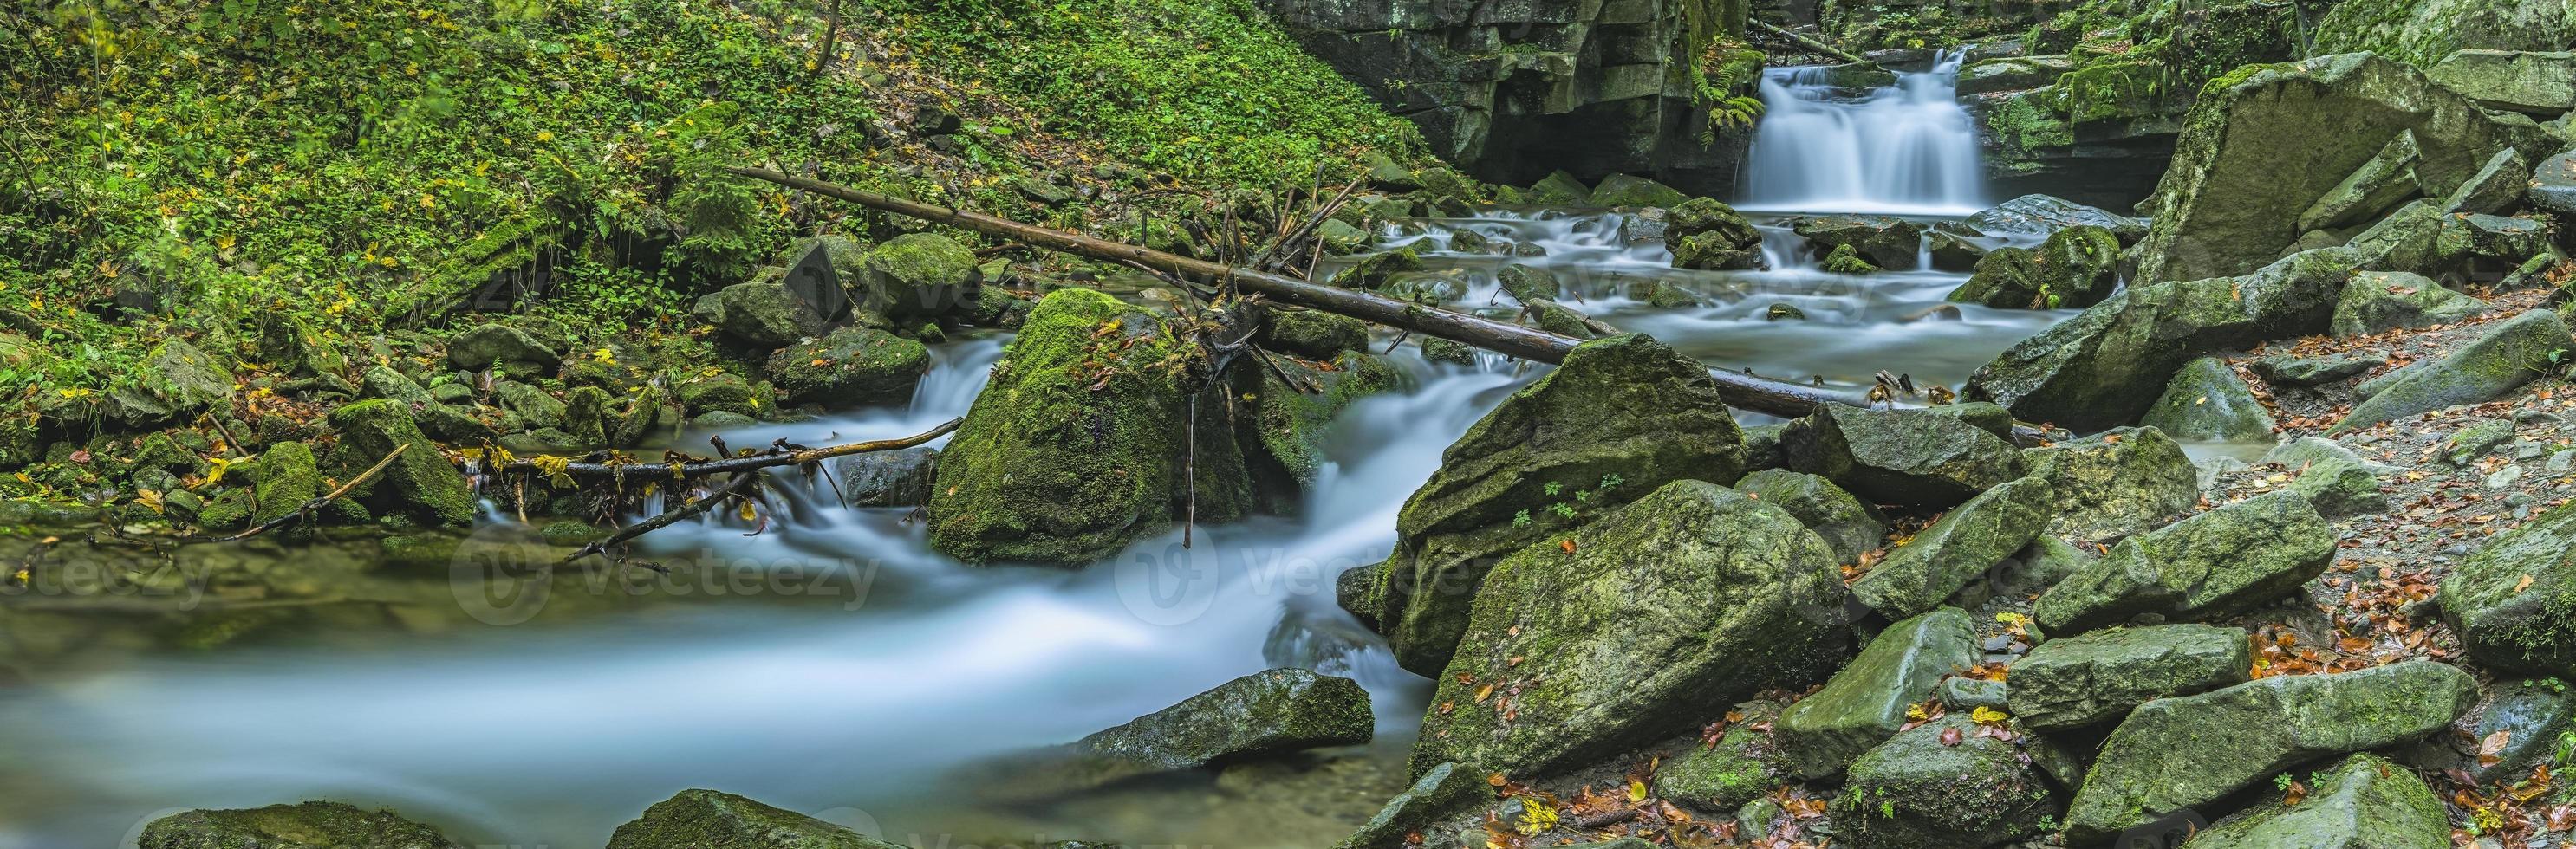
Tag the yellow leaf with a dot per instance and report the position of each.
(1636, 791)
(1918, 712)
(749, 514)
(1536, 816)
(1988, 716)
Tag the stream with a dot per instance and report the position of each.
(849, 688)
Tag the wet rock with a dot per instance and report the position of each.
(1621, 417)
(1848, 525)
(723, 392)
(1864, 704)
(2525, 720)
(2512, 352)
(1290, 425)
(1264, 713)
(2495, 190)
(2308, 451)
(2300, 372)
(1663, 295)
(850, 367)
(760, 314)
(1438, 350)
(485, 345)
(2538, 83)
(1378, 269)
(2508, 624)
(1069, 454)
(2341, 488)
(2363, 801)
(2422, 32)
(2382, 300)
(1846, 259)
(2077, 267)
(1560, 319)
(1443, 791)
(308, 825)
(2076, 681)
(1967, 694)
(1907, 457)
(176, 381)
(1885, 241)
(1621, 190)
(2207, 401)
(1954, 252)
(2553, 184)
(2420, 238)
(2219, 563)
(2105, 366)
(1745, 598)
(1561, 189)
(887, 478)
(2123, 483)
(2189, 751)
(1783, 311)
(707, 819)
(534, 407)
(1738, 769)
(1524, 283)
(2012, 73)
(2040, 215)
(1964, 546)
(1710, 236)
(1762, 447)
(383, 382)
(1313, 334)
(918, 275)
(1920, 789)
(2371, 190)
(420, 483)
(2250, 161)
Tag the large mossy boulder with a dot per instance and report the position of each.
(2513, 603)
(2206, 401)
(1865, 703)
(177, 381)
(1885, 241)
(2541, 83)
(288, 479)
(2122, 483)
(2219, 563)
(1284, 439)
(1915, 458)
(1849, 526)
(1313, 334)
(2363, 801)
(2186, 752)
(307, 825)
(420, 483)
(1950, 782)
(708, 819)
(1633, 629)
(2422, 32)
(1739, 767)
(918, 275)
(516, 351)
(1622, 190)
(2099, 677)
(850, 367)
(761, 314)
(1265, 713)
(2250, 161)
(2105, 366)
(2385, 300)
(1078, 444)
(2076, 267)
(1619, 418)
(2511, 353)
(1710, 236)
(1964, 546)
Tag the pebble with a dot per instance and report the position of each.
(2519, 499)
(2528, 450)
(2530, 417)
(2457, 549)
(2560, 461)
(2504, 477)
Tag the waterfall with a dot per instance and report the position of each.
(1909, 148)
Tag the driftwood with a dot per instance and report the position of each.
(308, 507)
(740, 484)
(776, 455)
(1811, 44)
(1739, 389)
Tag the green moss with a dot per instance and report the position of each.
(305, 824)
(419, 483)
(1846, 260)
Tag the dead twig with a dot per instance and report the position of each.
(774, 456)
(687, 509)
(308, 507)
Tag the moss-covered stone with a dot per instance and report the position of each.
(2186, 752)
(1846, 259)
(2219, 563)
(1291, 424)
(1711, 236)
(1739, 768)
(1621, 190)
(1965, 545)
(1075, 447)
(308, 825)
(918, 275)
(2340, 488)
(1575, 674)
(1918, 790)
(1378, 269)
(1313, 334)
(420, 483)
(1443, 791)
(707, 819)
(2380, 184)
(850, 367)
(2513, 352)
(2422, 32)
(2363, 801)
(177, 380)
(1865, 703)
(288, 479)
(1620, 417)
(761, 314)
(1908, 457)
(2076, 267)
(1265, 713)
(2207, 401)
(484, 345)
(2383, 300)
(1885, 241)
(1849, 526)
(2098, 677)
(2503, 623)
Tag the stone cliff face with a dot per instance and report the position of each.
(1511, 90)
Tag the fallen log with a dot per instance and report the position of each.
(1739, 389)
(776, 455)
(1811, 44)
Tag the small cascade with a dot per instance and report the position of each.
(1909, 148)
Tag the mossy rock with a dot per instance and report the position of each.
(2384, 300)
(1270, 712)
(1946, 783)
(420, 483)
(177, 380)
(1846, 259)
(1865, 703)
(1963, 546)
(2511, 353)
(288, 479)
(1076, 447)
(1907, 457)
(1884, 241)
(2207, 401)
(761, 314)
(1848, 525)
(2071, 682)
(1376, 270)
(723, 392)
(1621, 190)
(2220, 563)
(1739, 768)
(1442, 792)
(1291, 424)
(307, 825)
(707, 819)
(2505, 624)
(850, 367)
(2423, 32)
(919, 275)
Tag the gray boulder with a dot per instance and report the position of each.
(2538, 83)
(1265, 713)
(2189, 751)
(1864, 704)
(2379, 185)
(2364, 801)
(707, 819)
(2495, 190)
(1949, 782)
(2422, 32)
(887, 478)
(1557, 669)
(1907, 457)
(2340, 488)
(2513, 352)
(2119, 484)
(177, 381)
(2553, 184)
(308, 825)
(1621, 417)
(2505, 624)
(2039, 215)
(2420, 238)
(1443, 791)
(1848, 525)
(2219, 563)
(919, 275)
(1886, 241)
(2011, 73)
(1622, 190)
(2098, 677)
(2383, 300)
(1963, 546)
(758, 313)
(484, 345)
(2207, 401)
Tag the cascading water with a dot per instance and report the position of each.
(1908, 149)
